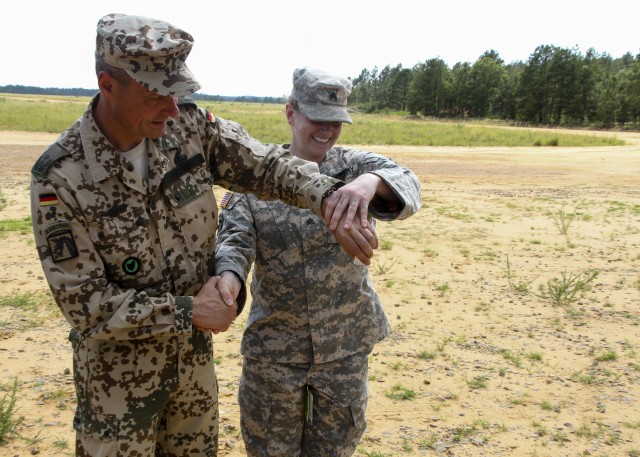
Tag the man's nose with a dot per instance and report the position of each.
(171, 106)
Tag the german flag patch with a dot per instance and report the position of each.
(226, 199)
(210, 117)
(48, 199)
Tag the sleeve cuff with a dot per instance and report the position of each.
(184, 313)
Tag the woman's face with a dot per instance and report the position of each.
(311, 140)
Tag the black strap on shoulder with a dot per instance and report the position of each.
(50, 156)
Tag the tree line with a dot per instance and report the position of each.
(78, 92)
(555, 86)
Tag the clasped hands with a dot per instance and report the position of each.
(215, 306)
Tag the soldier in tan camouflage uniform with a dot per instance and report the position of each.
(315, 315)
(125, 222)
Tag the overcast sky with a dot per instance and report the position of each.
(251, 47)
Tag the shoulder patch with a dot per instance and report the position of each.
(227, 200)
(61, 242)
(50, 156)
(210, 117)
(48, 199)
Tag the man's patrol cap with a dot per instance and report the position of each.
(151, 51)
(321, 96)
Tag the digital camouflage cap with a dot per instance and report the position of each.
(151, 51)
(321, 96)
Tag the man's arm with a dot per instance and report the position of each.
(241, 163)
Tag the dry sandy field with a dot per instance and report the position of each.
(514, 298)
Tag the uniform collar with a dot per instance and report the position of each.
(333, 164)
(103, 158)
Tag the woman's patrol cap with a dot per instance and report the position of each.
(321, 96)
(151, 51)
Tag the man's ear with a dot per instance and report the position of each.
(105, 82)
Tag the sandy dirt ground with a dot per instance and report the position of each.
(483, 359)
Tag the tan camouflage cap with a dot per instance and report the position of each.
(152, 52)
(321, 96)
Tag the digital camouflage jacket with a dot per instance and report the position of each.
(311, 303)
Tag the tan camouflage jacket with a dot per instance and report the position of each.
(123, 257)
(311, 302)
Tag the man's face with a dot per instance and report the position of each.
(140, 113)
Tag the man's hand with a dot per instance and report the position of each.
(354, 198)
(210, 312)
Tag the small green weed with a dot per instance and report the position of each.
(385, 267)
(512, 358)
(399, 392)
(9, 421)
(608, 356)
(426, 355)
(519, 286)
(478, 382)
(563, 219)
(442, 288)
(534, 356)
(568, 288)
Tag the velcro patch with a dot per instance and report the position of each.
(226, 199)
(61, 242)
(48, 199)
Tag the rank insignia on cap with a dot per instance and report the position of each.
(61, 242)
(48, 199)
(226, 199)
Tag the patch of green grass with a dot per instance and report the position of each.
(512, 358)
(433, 253)
(22, 226)
(60, 444)
(372, 453)
(464, 431)
(608, 356)
(9, 419)
(399, 392)
(443, 343)
(266, 122)
(478, 382)
(426, 355)
(34, 308)
(442, 288)
(534, 356)
(548, 406)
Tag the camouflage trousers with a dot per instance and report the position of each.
(143, 398)
(291, 410)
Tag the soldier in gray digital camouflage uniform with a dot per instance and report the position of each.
(314, 315)
(125, 221)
